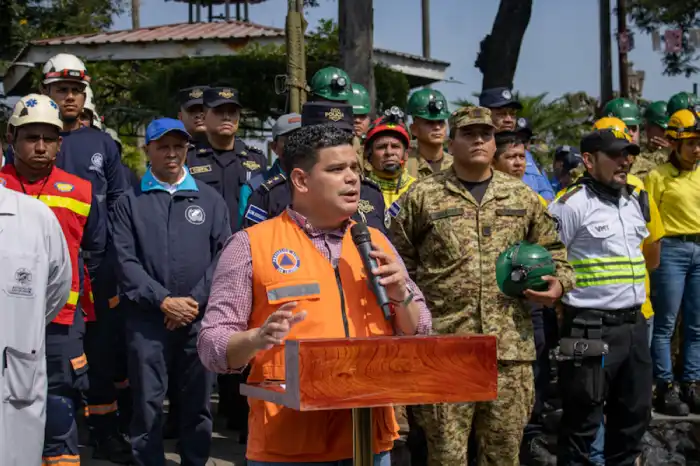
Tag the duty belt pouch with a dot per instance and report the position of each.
(581, 359)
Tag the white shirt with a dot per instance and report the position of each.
(171, 188)
(35, 281)
(603, 241)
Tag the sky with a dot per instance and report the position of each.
(559, 54)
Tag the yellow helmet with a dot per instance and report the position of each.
(617, 126)
(684, 124)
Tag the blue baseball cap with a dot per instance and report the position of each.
(162, 126)
(498, 97)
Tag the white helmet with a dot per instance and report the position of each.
(65, 67)
(114, 135)
(89, 100)
(36, 108)
(96, 121)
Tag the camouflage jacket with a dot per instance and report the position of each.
(450, 244)
(647, 161)
(417, 166)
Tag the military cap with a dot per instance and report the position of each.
(498, 97)
(317, 113)
(191, 96)
(217, 96)
(468, 116)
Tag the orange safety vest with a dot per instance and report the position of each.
(288, 267)
(70, 198)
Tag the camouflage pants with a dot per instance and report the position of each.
(498, 424)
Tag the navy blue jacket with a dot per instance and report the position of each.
(167, 245)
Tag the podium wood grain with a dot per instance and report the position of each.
(368, 372)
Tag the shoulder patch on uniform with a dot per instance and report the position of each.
(567, 195)
(63, 187)
(251, 165)
(274, 181)
(255, 214)
(394, 209)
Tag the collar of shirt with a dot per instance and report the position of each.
(311, 231)
(186, 183)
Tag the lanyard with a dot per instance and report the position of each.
(46, 180)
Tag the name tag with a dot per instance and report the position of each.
(511, 212)
(453, 212)
(200, 169)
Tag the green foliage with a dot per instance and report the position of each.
(134, 158)
(563, 120)
(658, 15)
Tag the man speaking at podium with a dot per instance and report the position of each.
(300, 276)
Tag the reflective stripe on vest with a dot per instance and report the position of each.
(73, 205)
(609, 271)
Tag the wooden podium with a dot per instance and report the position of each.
(362, 373)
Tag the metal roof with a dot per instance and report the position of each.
(170, 32)
(218, 2)
(221, 30)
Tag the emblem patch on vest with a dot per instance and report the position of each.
(96, 162)
(195, 215)
(285, 261)
(64, 187)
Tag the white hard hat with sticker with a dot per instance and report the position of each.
(36, 108)
(65, 67)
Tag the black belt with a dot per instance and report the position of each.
(611, 318)
(694, 238)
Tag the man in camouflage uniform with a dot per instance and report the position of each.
(429, 111)
(450, 230)
(657, 148)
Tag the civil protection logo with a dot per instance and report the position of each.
(286, 261)
(195, 215)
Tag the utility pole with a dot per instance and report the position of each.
(622, 48)
(296, 55)
(135, 14)
(356, 31)
(606, 87)
(425, 7)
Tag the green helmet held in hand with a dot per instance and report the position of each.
(521, 267)
(428, 104)
(656, 113)
(625, 110)
(360, 101)
(681, 101)
(332, 83)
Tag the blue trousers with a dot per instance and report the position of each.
(676, 285)
(66, 368)
(382, 459)
(152, 349)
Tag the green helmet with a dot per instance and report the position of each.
(681, 101)
(625, 110)
(656, 114)
(360, 100)
(332, 83)
(521, 267)
(428, 104)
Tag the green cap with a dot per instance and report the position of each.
(332, 83)
(521, 267)
(428, 104)
(360, 101)
(681, 101)
(656, 113)
(625, 110)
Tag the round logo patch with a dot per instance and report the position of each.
(96, 160)
(506, 94)
(286, 261)
(3, 181)
(23, 276)
(195, 215)
(522, 123)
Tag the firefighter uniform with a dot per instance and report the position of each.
(605, 363)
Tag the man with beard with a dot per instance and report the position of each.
(191, 112)
(386, 148)
(605, 364)
(428, 109)
(504, 109)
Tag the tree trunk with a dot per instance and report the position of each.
(498, 56)
(135, 14)
(356, 30)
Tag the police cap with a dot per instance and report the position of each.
(498, 97)
(337, 114)
(191, 96)
(217, 96)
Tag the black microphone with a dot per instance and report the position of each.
(363, 240)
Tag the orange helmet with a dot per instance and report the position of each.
(392, 122)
